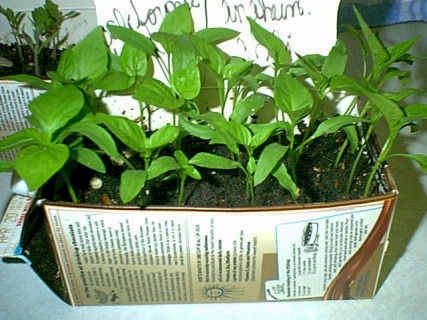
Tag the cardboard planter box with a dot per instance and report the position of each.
(113, 255)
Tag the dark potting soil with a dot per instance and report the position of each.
(320, 180)
(48, 60)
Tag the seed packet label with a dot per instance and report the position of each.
(312, 252)
(14, 99)
(307, 26)
(159, 256)
(11, 225)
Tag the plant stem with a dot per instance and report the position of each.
(70, 188)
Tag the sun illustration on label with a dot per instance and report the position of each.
(218, 292)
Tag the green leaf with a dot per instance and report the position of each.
(248, 107)
(285, 180)
(389, 109)
(163, 137)
(236, 67)
(88, 158)
(165, 39)
(33, 81)
(90, 57)
(185, 78)
(21, 139)
(197, 130)
(181, 157)
(162, 165)
(126, 130)
(213, 161)
(133, 38)
(115, 81)
(276, 48)
(268, 160)
(336, 60)
(133, 61)
(379, 53)
(131, 184)
(292, 97)
(55, 108)
(216, 35)
(334, 124)
(98, 135)
(37, 164)
(178, 21)
(211, 55)
(156, 93)
(262, 134)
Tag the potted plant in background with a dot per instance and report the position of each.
(256, 259)
(38, 52)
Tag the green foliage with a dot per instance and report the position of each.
(67, 115)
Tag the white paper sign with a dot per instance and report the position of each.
(308, 26)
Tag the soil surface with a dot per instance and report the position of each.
(47, 60)
(319, 180)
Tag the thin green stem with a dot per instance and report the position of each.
(70, 188)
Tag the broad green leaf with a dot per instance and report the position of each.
(216, 35)
(98, 135)
(21, 139)
(213, 161)
(126, 130)
(292, 97)
(275, 46)
(178, 21)
(262, 134)
(133, 62)
(236, 67)
(88, 158)
(198, 130)
(156, 93)
(37, 164)
(131, 184)
(55, 108)
(162, 137)
(247, 107)
(415, 112)
(334, 124)
(185, 78)
(285, 180)
(165, 39)
(115, 81)
(268, 160)
(336, 60)
(90, 56)
(389, 109)
(133, 38)
(211, 55)
(240, 133)
(162, 165)
(400, 49)
(192, 172)
(181, 157)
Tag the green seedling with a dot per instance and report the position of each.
(15, 20)
(381, 104)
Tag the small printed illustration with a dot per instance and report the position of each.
(220, 292)
(276, 292)
(105, 298)
(310, 237)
